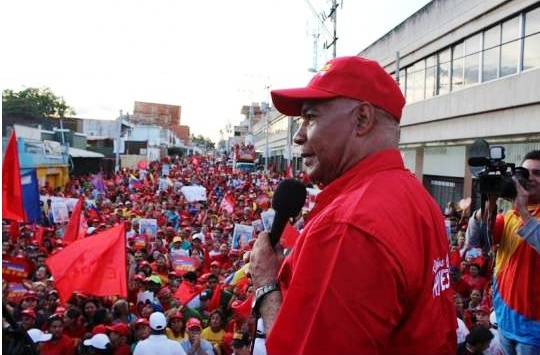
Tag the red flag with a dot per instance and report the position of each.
(243, 308)
(228, 203)
(289, 173)
(12, 195)
(186, 292)
(95, 265)
(215, 300)
(83, 227)
(14, 231)
(289, 236)
(74, 225)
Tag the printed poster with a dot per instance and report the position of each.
(148, 226)
(194, 193)
(267, 219)
(242, 235)
(60, 211)
(183, 264)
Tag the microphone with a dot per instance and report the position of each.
(288, 200)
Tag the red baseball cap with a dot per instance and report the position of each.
(177, 315)
(120, 328)
(193, 323)
(99, 329)
(142, 321)
(29, 313)
(352, 77)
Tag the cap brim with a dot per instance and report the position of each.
(289, 101)
(88, 342)
(46, 337)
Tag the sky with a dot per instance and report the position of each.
(208, 56)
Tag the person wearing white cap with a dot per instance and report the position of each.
(157, 342)
(38, 336)
(99, 344)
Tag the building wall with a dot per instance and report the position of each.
(167, 116)
(469, 69)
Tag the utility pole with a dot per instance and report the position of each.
(118, 134)
(333, 16)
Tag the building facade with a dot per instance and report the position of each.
(468, 69)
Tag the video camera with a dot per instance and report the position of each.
(494, 174)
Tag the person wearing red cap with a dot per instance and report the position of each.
(195, 344)
(142, 331)
(28, 319)
(118, 334)
(373, 214)
(177, 327)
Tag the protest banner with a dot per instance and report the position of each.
(70, 202)
(163, 184)
(194, 193)
(15, 292)
(60, 211)
(148, 226)
(242, 234)
(165, 170)
(139, 242)
(183, 264)
(15, 269)
(257, 226)
(267, 219)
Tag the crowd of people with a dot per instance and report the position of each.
(217, 318)
(214, 319)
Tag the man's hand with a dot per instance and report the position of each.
(196, 342)
(264, 261)
(521, 201)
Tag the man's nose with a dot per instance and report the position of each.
(300, 135)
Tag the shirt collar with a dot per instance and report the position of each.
(387, 159)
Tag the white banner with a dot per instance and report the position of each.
(194, 193)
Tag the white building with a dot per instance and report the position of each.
(156, 136)
(469, 69)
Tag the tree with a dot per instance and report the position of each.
(34, 102)
(202, 142)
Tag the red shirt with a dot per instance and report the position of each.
(370, 272)
(63, 346)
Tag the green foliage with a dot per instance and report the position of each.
(202, 141)
(34, 102)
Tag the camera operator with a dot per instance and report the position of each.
(516, 283)
(530, 231)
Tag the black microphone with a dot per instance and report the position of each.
(288, 200)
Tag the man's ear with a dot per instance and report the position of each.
(365, 118)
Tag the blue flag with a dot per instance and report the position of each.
(30, 187)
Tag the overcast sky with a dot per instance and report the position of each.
(209, 56)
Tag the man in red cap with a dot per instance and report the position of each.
(118, 334)
(369, 273)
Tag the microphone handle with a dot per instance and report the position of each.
(280, 221)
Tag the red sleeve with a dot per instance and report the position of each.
(337, 279)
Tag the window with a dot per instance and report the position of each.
(531, 45)
(444, 72)
(492, 41)
(457, 66)
(510, 47)
(431, 76)
(472, 59)
(415, 81)
(419, 69)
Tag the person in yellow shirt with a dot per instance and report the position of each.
(214, 333)
(177, 327)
